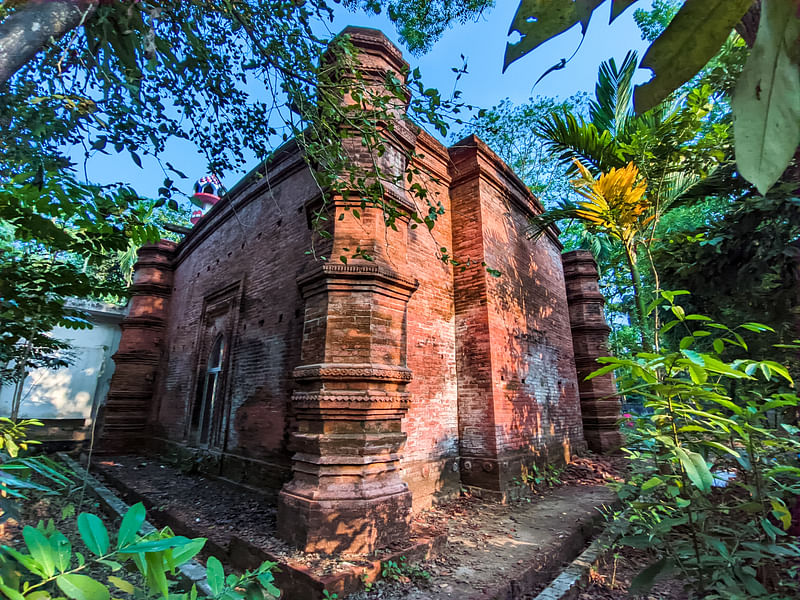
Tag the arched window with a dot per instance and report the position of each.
(207, 409)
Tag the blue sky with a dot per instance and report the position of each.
(482, 43)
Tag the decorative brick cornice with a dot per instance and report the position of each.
(380, 278)
(367, 398)
(353, 371)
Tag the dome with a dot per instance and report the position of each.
(207, 190)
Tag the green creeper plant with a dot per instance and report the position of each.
(49, 567)
(714, 468)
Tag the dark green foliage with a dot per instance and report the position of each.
(421, 22)
(741, 265)
(236, 79)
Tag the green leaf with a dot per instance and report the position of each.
(721, 448)
(156, 578)
(82, 587)
(41, 550)
(539, 20)
(94, 533)
(719, 346)
(698, 374)
(644, 580)
(187, 552)
(651, 483)
(216, 575)
(63, 550)
(691, 39)
(121, 584)
(131, 523)
(157, 545)
(766, 102)
(12, 594)
(111, 564)
(696, 469)
(695, 357)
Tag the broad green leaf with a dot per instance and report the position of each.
(698, 374)
(121, 584)
(766, 102)
(157, 545)
(691, 39)
(215, 574)
(63, 551)
(94, 533)
(12, 594)
(131, 523)
(156, 578)
(644, 580)
(651, 483)
(82, 587)
(185, 553)
(539, 20)
(753, 586)
(719, 346)
(40, 548)
(696, 469)
(695, 357)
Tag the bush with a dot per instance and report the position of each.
(714, 469)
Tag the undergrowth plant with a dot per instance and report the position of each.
(714, 469)
(51, 568)
(16, 468)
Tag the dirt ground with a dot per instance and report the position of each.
(489, 545)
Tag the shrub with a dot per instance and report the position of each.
(714, 468)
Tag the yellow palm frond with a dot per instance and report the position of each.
(615, 202)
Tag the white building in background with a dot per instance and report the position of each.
(66, 399)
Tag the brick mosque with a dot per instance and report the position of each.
(360, 392)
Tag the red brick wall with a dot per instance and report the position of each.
(254, 248)
(431, 449)
(519, 395)
(493, 371)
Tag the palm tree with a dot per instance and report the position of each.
(615, 206)
(630, 155)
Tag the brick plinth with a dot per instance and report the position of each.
(346, 493)
(141, 350)
(600, 405)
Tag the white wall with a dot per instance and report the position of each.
(68, 393)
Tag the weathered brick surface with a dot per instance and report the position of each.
(518, 388)
(600, 404)
(366, 387)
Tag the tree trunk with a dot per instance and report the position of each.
(639, 300)
(31, 26)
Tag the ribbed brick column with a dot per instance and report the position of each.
(140, 352)
(600, 406)
(346, 493)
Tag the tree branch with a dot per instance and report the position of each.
(30, 27)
